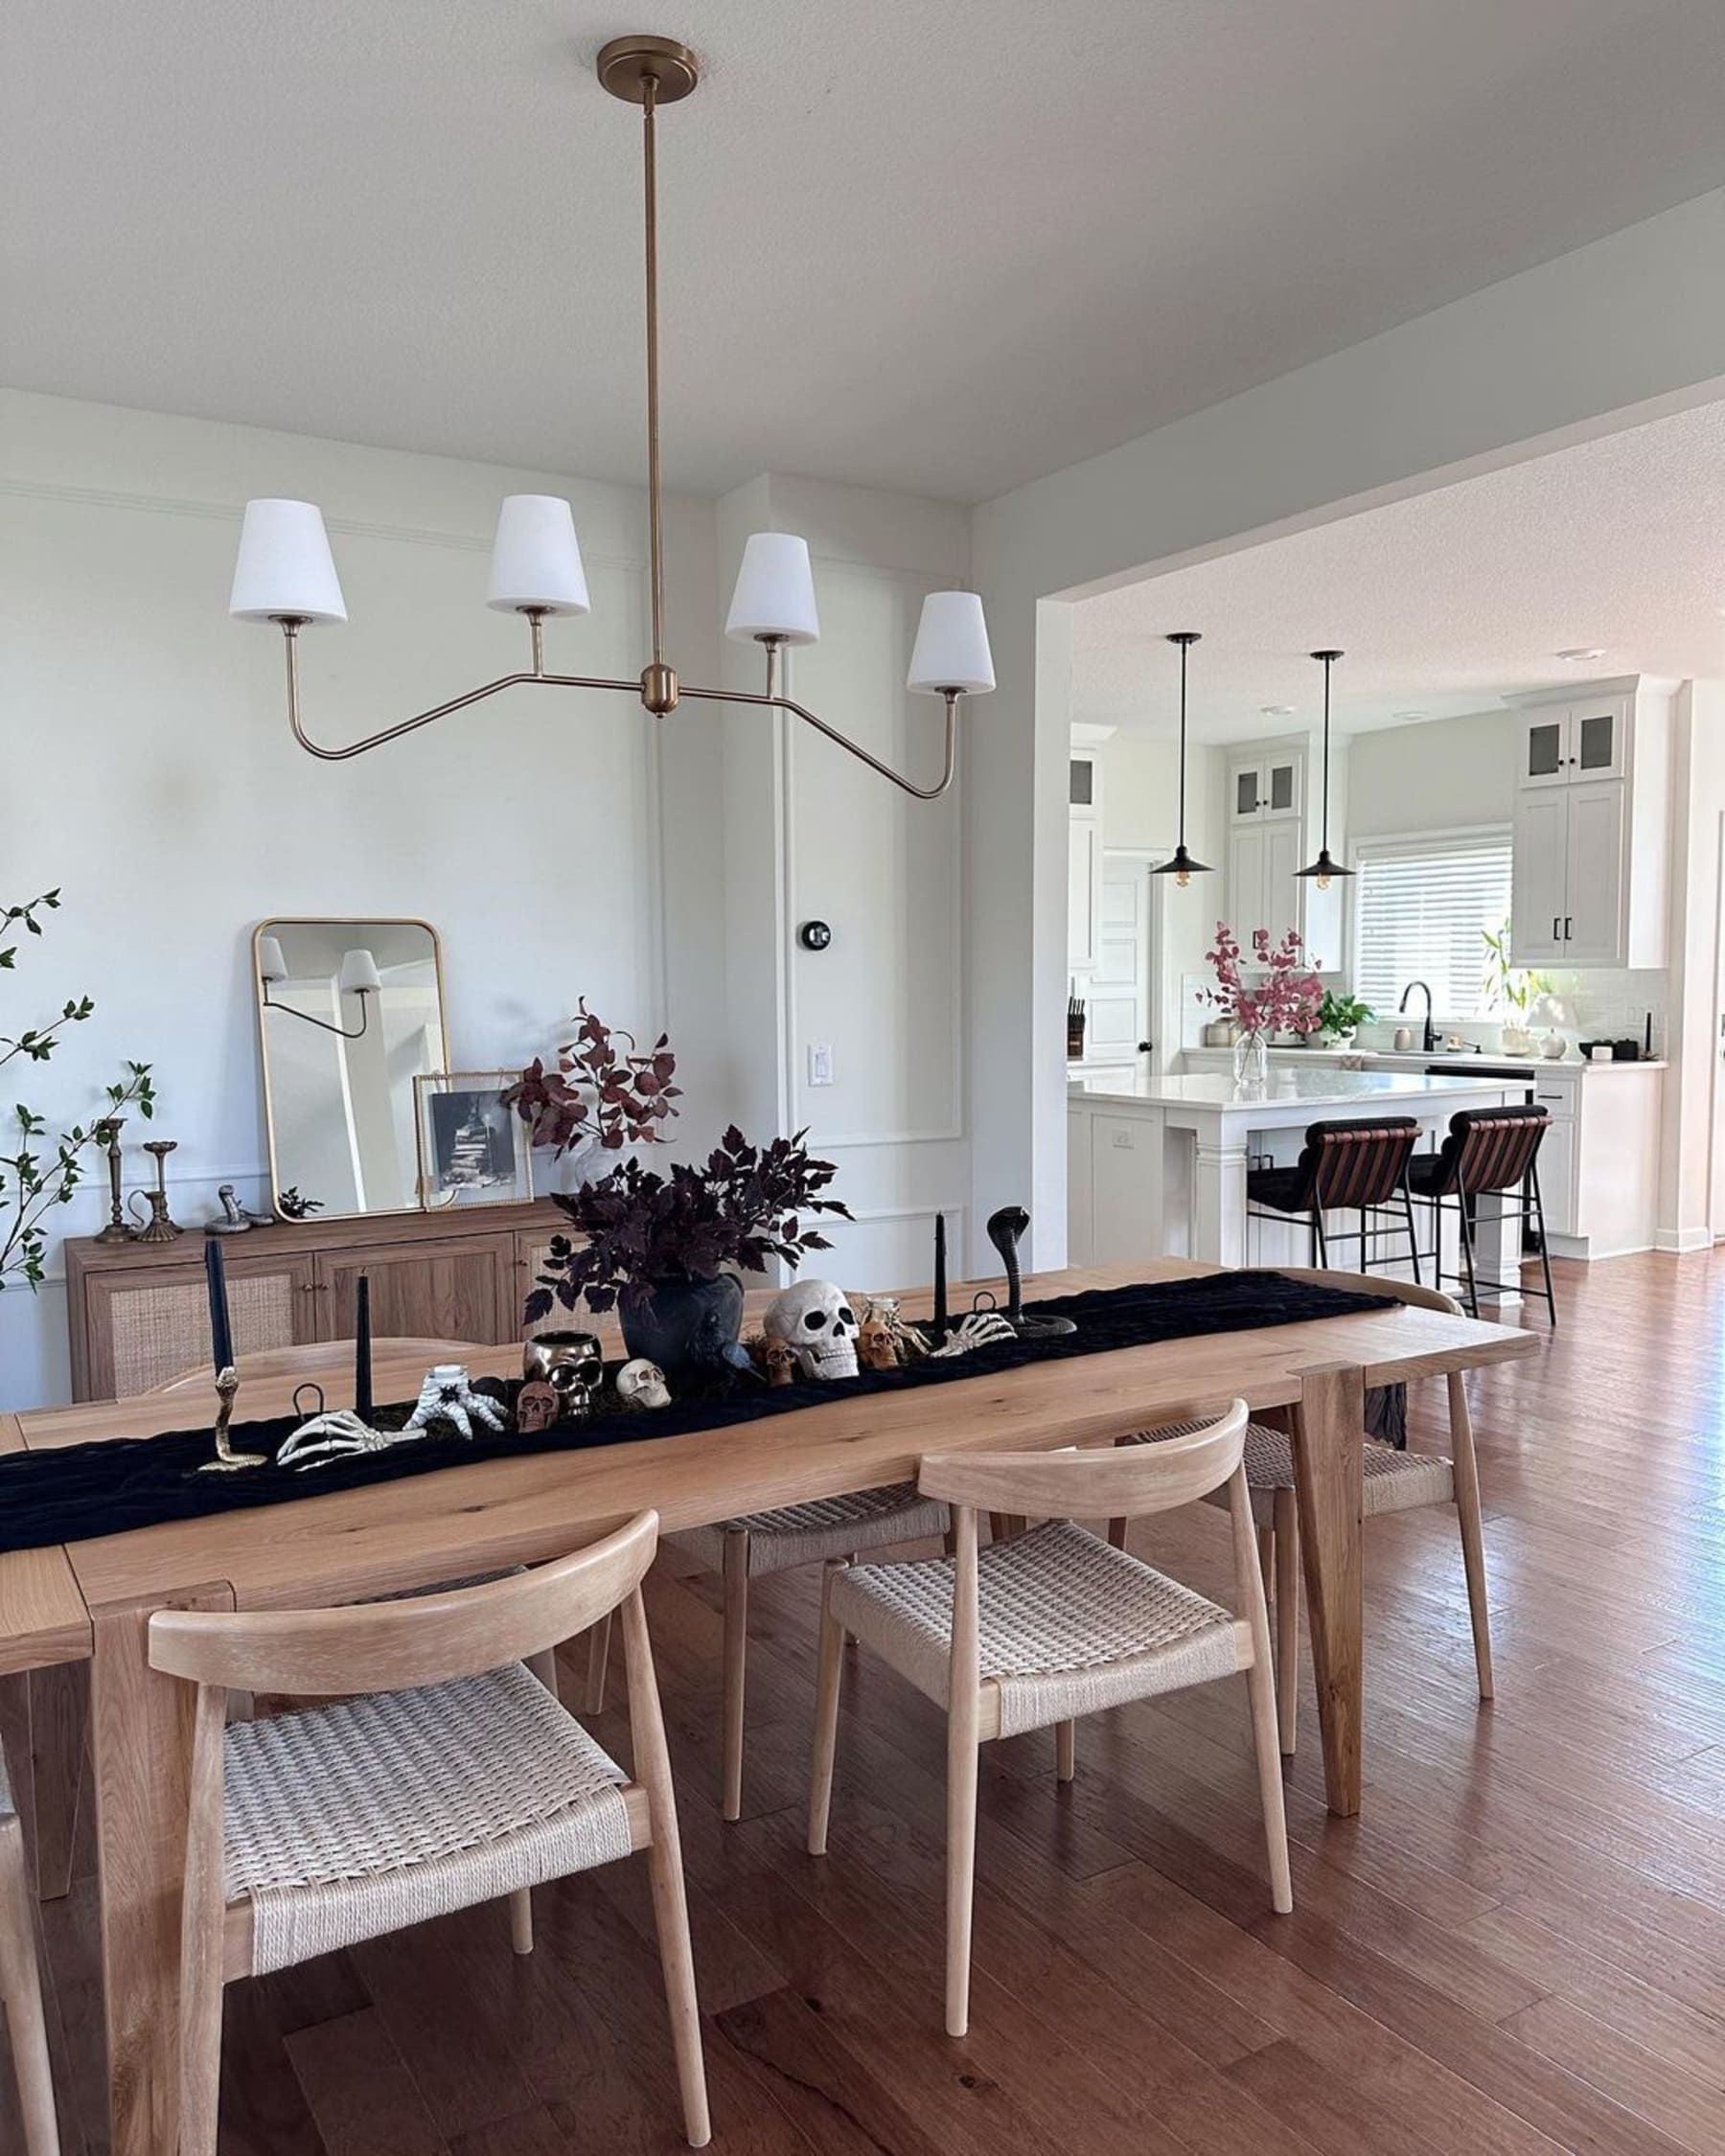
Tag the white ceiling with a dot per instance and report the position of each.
(1443, 603)
(941, 248)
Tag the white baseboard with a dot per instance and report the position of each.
(1683, 1242)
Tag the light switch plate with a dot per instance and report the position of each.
(821, 1063)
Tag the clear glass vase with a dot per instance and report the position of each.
(1252, 1061)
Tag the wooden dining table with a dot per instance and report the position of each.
(94, 1599)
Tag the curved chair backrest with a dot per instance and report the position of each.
(1357, 1162)
(1491, 1148)
(1376, 1284)
(1092, 1483)
(388, 1646)
(317, 1359)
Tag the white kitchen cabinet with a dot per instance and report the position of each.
(1266, 787)
(1263, 859)
(1599, 1163)
(1591, 874)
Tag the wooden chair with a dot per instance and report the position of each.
(760, 1543)
(1050, 1625)
(456, 1778)
(321, 1358)
(21, 1985)
(1395, 1481)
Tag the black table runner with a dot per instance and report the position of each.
(112, 1485)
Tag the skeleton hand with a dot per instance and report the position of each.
(982, 1328)
(447, 1396)
(343, 1437)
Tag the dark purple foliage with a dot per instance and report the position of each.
(739, 1208)
(598, 1092)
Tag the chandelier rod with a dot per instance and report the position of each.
(654, 506)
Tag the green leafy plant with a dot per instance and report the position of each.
(49, 1164)
(1508, 987)
(1343, 1013)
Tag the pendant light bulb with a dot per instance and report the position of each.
(1322, 880)
(1183, 879)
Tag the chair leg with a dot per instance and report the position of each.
(1407, 1195)
(736, 1665)
(598, 1659)
(828, 1677)
(961, 1859)
(521, 1920)
(1266, 1549)
(21, 1988)
(1066, 1751)
(1117, 1533)
(1545, 1253)
(1323, 1239)
(203, 1928)
(664, 1870)
(1473, 1540)
(1286, 1537)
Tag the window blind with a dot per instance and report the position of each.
(1422, 908)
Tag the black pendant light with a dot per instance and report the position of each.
(1324, 868)
(1181, 866)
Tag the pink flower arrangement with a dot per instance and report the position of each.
(1285, 1000)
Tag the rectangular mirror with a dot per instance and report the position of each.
(350, 1014)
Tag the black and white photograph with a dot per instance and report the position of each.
(472, 1148)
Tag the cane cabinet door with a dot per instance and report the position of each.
(147, 1325)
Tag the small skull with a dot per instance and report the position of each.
(779, 1362)
(535, 1406)
(819, 1327)
(875, 1347)
(641, 1384)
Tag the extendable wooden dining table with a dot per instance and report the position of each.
(95, 1598)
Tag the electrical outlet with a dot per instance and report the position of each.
(821, 1063)
(1123, 1141)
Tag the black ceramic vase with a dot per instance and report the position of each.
(686, 1327)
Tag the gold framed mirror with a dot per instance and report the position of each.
(350, 1014)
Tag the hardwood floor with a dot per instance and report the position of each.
(1517, 1948)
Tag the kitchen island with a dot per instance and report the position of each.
(1155, 1167)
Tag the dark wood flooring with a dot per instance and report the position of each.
(1518, 1947)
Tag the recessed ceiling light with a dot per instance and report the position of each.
(1580, 651)
(1277, 710)
(1407, 715)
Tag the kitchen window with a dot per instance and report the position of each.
(1422, 909)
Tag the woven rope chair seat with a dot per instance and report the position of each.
(809, 1534)
(1395, 1481)
(343, 1823)
(1068, 1625)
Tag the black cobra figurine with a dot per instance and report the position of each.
(1005, 1232)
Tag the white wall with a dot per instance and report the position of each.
(1619, 329)
(1443, 775)
(1691, 1130)
(149, 771)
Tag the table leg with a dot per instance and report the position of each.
(140, 1729)
(1328, 1428)
(1219, 1201)
(59, 1714)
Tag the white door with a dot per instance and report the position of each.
(1119, 990)
(1084, 884)
(1540, 877)
(1592, 916)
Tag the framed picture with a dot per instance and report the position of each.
(472, 1149)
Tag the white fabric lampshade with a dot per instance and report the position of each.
(273, 965)
(952, 646)
(285, 567)
(535, 559)
(776, 591)
(359, 975)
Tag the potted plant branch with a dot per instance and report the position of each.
(49, 1164)
(666, 1252)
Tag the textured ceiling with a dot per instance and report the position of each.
(1443, 603)
(941, 248)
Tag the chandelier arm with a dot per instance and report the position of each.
(842, 740)
(290, 637)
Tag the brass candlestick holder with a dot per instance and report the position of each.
(161, 1227)
(227, 1460)
(107, 1134)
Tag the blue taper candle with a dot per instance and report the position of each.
(940, 1292)
(221, 1333)
(362, 1370)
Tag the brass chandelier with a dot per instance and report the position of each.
(286, 573)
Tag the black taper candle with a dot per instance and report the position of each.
(362, 1367)
(222, 1332)
(940, 1292)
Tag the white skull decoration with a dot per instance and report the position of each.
(818, 1326)
(641, 1384)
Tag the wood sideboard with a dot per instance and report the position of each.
(139, 1313)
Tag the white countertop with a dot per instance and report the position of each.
(1418, 1060)
(1325, 1087)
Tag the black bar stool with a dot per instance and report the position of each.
(1359, 1167)
(1488, 1152)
